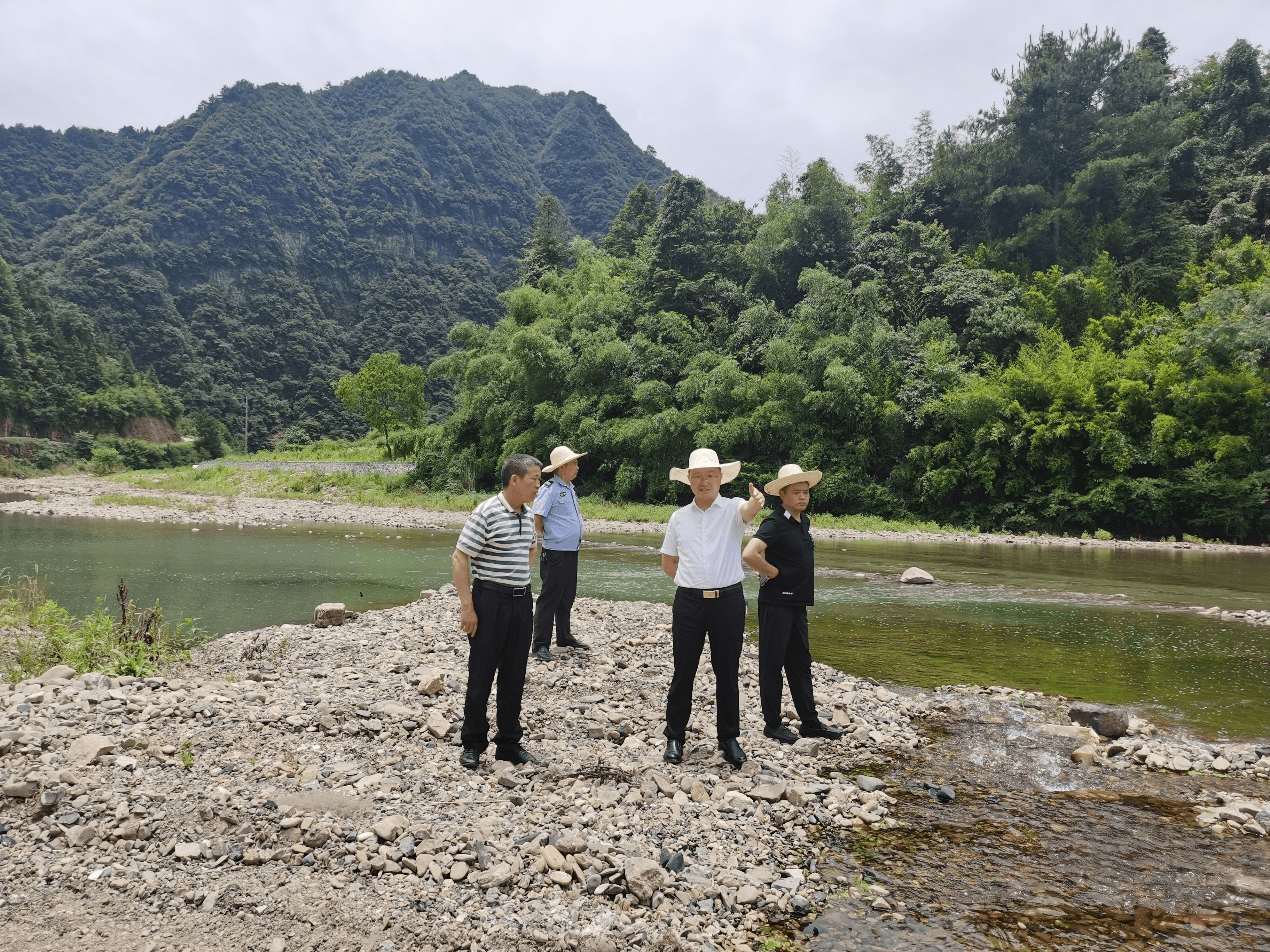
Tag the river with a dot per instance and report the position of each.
(1097, 623)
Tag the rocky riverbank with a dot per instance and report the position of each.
(75, 495)
(299, 788)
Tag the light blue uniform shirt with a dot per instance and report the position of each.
(557, 503)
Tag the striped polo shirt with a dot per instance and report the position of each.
(497, 539)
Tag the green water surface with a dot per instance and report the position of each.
(1097, 623)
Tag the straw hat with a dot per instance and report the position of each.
(706, 459)
(559, 456)
(792, 473)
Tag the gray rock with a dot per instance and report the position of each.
(21, 789)
(1109, 722)
(85, 750)
(328, 615)
(869, 784)
(643, 878)
(916, 576)
(62, 671)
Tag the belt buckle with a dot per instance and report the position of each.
(518, 592)
(710, 593)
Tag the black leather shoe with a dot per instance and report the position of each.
(543, 654)
(674, 752)
(732, 752)
(781, 733)
(820, 730)
(516, 755)
(573, 643)
(470, 759)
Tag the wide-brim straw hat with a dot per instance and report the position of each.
(792, 473)
(706, 459)
(559, 456)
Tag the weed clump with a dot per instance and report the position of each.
(36, 633)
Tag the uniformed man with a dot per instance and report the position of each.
(559, 523)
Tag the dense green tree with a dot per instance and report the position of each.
(386, 393)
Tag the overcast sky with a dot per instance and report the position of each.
(720, 89)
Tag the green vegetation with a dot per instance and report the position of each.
(1053, 317)
(59, 373)
(386, 393)
(274, 239)
(38, 634)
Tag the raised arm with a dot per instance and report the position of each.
(751, 506)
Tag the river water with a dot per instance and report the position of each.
(1097, 623)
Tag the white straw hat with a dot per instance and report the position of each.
(706, 459)
(792, 473)
(559, 456)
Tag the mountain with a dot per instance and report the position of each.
(275, 238)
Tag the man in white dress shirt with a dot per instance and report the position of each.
(702, 553)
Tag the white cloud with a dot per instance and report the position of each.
(719, 88)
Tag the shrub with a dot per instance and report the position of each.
(105, 460)
(1103, 535)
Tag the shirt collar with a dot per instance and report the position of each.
(507, 505)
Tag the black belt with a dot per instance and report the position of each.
(711, 592)
(515, 591)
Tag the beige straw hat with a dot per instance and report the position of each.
(559, 456)
(792, 473)
(706, 459)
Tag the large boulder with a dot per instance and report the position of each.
(328, 615)
(916, 576)
(1110, 722)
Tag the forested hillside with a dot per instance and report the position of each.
(59, 374)
(275, 238)
(1054, 316)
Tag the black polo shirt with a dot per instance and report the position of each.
(790, 548)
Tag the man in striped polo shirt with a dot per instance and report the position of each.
(491, 572)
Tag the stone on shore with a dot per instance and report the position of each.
(329, 615)
(1109, 722)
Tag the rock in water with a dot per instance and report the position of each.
(328, 615)
(916, 576)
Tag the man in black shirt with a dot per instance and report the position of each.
(783, 554)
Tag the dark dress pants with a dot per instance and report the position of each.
(559, 571)
(783, 643)
(693, 619)
(499, 647)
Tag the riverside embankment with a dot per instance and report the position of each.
(76, 495)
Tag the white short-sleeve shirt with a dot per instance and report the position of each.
(707, 543)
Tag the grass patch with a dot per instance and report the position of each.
(36, 633)
(122, 499)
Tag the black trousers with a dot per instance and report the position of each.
(559, 571)
(783, 644)
(693, 619)
(499, 647)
